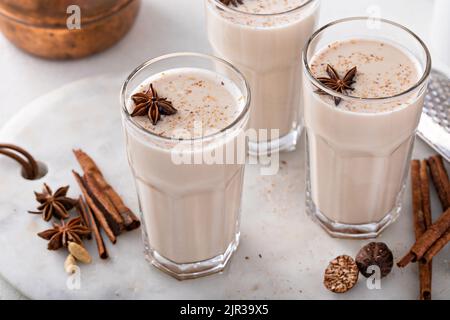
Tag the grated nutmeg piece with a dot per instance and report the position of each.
(341, 274)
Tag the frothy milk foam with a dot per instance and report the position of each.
(200, 96)
(191, 212)
(359, 151)
(266, 49)
(269, 6)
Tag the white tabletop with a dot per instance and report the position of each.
(162, 27)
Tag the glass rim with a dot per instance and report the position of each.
(235, 10)
(319, 85)
(149, 62)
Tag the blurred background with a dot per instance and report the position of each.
(164, 26)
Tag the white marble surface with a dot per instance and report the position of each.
(24, 78)
(294, 250)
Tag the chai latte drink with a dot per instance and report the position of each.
(264, 40)
(359, 141)
(190, 205)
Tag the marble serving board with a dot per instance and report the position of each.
(282, 254)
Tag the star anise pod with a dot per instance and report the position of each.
(233, 2)
(150, 104)
(61, 235)
(334, 82)
(54, 204)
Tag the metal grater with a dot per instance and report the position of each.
(434, 127)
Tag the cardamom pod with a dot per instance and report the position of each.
(79, 252)
(70, 264)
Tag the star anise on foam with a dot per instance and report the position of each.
(61, 235)
(150, 104)
(233, 2)
(54, 204)
(334, 82)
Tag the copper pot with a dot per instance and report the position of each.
(40, 26)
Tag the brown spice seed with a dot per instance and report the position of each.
(375, 254)
(79, 253)
(70, 264)
(341, 274)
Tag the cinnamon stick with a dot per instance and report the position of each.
(440, 180)
(84, 216)
(424, 221)
(99, 215)
(442, 184)
(437, 247)
(419, 224)
(115, 220)
(426, 241)
(425, 278)
(102, 252)
(90, 167)
(425, 193)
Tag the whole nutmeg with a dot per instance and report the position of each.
(341, 274)
(375, 254)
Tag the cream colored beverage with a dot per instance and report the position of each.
(190, 209)
(359, 150)
(264, 39)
